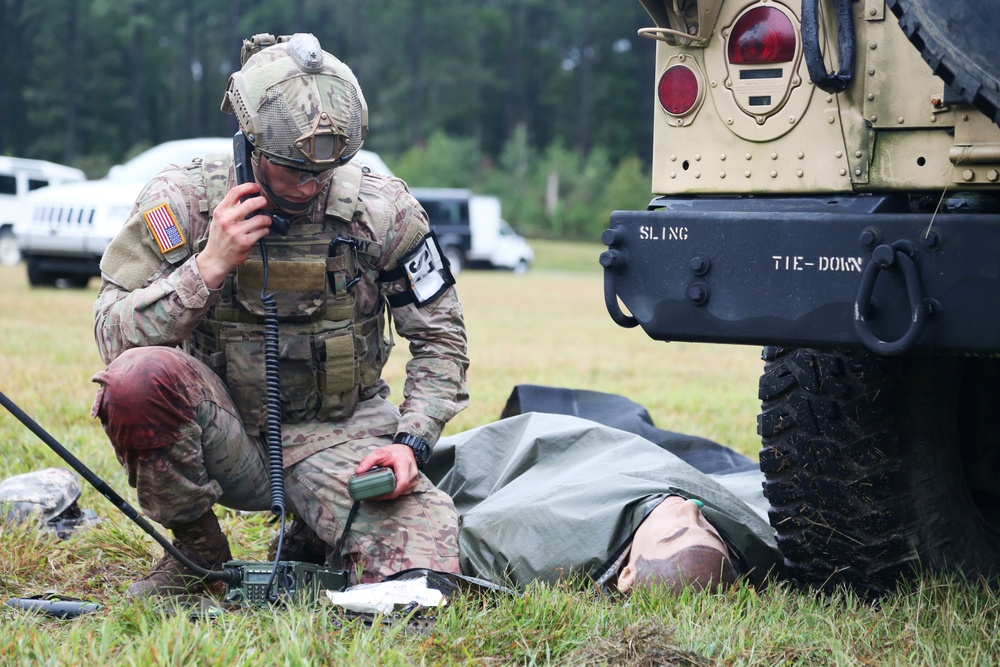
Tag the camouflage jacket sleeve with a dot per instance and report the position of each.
(435, 389)
(152, 294)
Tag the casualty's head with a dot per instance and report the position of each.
(676, 547)
(301, 109)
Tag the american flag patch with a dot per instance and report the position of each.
(164, 226)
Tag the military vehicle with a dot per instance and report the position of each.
(826, 181)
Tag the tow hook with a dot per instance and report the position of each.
(614, 260)
(899, 256)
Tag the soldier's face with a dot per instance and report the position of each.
(295, 185)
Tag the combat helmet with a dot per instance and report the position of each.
(297, 104)
(47, 497)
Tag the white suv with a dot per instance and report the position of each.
(18, 177)
(65, 229)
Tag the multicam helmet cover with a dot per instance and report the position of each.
(297, 104)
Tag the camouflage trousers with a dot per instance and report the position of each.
(179, 437)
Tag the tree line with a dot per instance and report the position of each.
(546, 103)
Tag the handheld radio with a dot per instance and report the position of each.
(242, 148)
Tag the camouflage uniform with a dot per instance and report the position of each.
(182, 398)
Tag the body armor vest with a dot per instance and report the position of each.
(332, 338)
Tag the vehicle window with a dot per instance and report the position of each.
(446, 212)
(8, 185)
(35, 183)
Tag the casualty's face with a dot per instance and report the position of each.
(674, 525)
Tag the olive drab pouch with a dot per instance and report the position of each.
(339, 374)
(299, 287)
(243, 373)
(298, 377)
(318, 376)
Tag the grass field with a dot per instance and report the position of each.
(550, 328)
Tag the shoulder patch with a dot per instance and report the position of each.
(166, 231)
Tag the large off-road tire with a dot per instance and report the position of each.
(39, 278)
(876, 467)
(958, 39)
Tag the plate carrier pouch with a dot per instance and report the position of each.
(331, 352)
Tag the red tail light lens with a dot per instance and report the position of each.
(678, 90)
(762, 35)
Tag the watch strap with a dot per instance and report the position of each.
(421, 450)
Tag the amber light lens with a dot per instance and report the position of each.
(678, 90)
(762, 35)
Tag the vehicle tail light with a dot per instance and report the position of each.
(678, 90)
(762, 35)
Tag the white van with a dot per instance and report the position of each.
(18, 176)
(66, 229)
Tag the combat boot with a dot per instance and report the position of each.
(301, 544)
(205, 544)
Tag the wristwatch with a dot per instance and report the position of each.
(421, 450)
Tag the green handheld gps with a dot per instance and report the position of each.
(371, 483)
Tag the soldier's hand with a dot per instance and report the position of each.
(232, 233)
(403, 463)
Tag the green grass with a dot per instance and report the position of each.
(549, 327)
(566, 255)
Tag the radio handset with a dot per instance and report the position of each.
(244, 174)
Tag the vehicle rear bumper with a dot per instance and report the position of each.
(790, 272)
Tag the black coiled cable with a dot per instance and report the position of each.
(272, 383)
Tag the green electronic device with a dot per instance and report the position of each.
(371, 483)
(294, 581)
